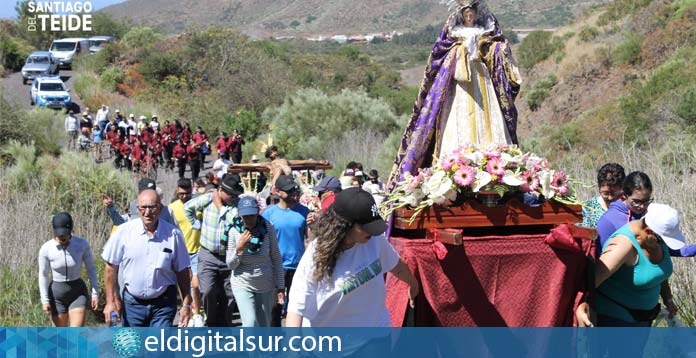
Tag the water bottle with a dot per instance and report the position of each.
(114, 319)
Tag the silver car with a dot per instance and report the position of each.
(39, 63)
(97, 43)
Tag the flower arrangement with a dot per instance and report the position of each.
(472, 169)
(310, 199)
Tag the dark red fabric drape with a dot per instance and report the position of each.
(515, 281)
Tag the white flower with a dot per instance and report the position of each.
(513, 178)
(475, 157)
(482, 179)
(438, 186)
(545, 181)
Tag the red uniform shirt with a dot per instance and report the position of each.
(179, 151)
(221, 145)
(191, 152)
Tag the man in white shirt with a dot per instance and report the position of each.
(72, 128)
(102, 114)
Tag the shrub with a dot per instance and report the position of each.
(111, 77)
(41, 126)
(588, 33)
(628, 52)
(140, 37)
(540, 91)
(310, 122)
(537, 47)
(13, 52)
(686, 109)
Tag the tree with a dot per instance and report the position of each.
(310, 123)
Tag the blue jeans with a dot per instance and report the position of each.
(254, 307)
(155, 312)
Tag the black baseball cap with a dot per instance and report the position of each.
(231, 184)
(286, 183)
(62, 224)
(359, 206)
(146, 183)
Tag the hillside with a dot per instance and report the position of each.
(621, 77)
(263, 18)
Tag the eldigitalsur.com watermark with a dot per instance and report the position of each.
(59, 16)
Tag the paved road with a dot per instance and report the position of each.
(15, 92)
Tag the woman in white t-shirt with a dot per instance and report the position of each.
(339, 281)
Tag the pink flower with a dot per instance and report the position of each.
(414, 183)
(495, 166)
(531, 181)
(464, 176)
(560, 182)
(449, 161)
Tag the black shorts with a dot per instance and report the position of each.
(64, 296)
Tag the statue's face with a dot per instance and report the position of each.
(469, 16)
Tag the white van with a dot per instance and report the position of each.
(64, 50)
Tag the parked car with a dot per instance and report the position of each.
(49, 91)
(97, 43)
(65, 50)
(39, 63)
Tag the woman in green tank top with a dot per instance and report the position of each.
(632, 272)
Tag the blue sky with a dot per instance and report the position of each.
(7, 6)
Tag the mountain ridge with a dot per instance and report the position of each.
(266, 18)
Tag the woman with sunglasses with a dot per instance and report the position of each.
(637, 192)
(257, 277)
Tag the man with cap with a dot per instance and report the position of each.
(219, 210)
(132, 126)
(152, 255)
(339, 281)
(633, 271)
(289, 218)
(64, 297)
(327, 188)
(71, 127)
(141, 124)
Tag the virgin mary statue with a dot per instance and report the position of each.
(467, 94)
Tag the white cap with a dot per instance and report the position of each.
(143, 117)
(664, 221)
(131, 115)
(118, 111)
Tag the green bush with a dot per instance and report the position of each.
(13, 52)
(110, 78)
(156, 66)
(540, 91)
(628, 52)
(686, 109)
(537, 47)
(140, 37)
(309, 122)
(41, 126)
(588, 33)
(620, 9)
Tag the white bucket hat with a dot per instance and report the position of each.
(664, 221)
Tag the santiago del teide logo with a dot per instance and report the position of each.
(59, 16)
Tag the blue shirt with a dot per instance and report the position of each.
(149, 264)
(291, 228)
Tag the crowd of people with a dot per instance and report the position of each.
(147, 143)
(219, 249)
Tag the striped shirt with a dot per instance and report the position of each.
(214, 221)
(256, 272)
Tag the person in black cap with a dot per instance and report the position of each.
(219, 210)
(327, 189)
(290, 220)
(64, 297)
(339, 281)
